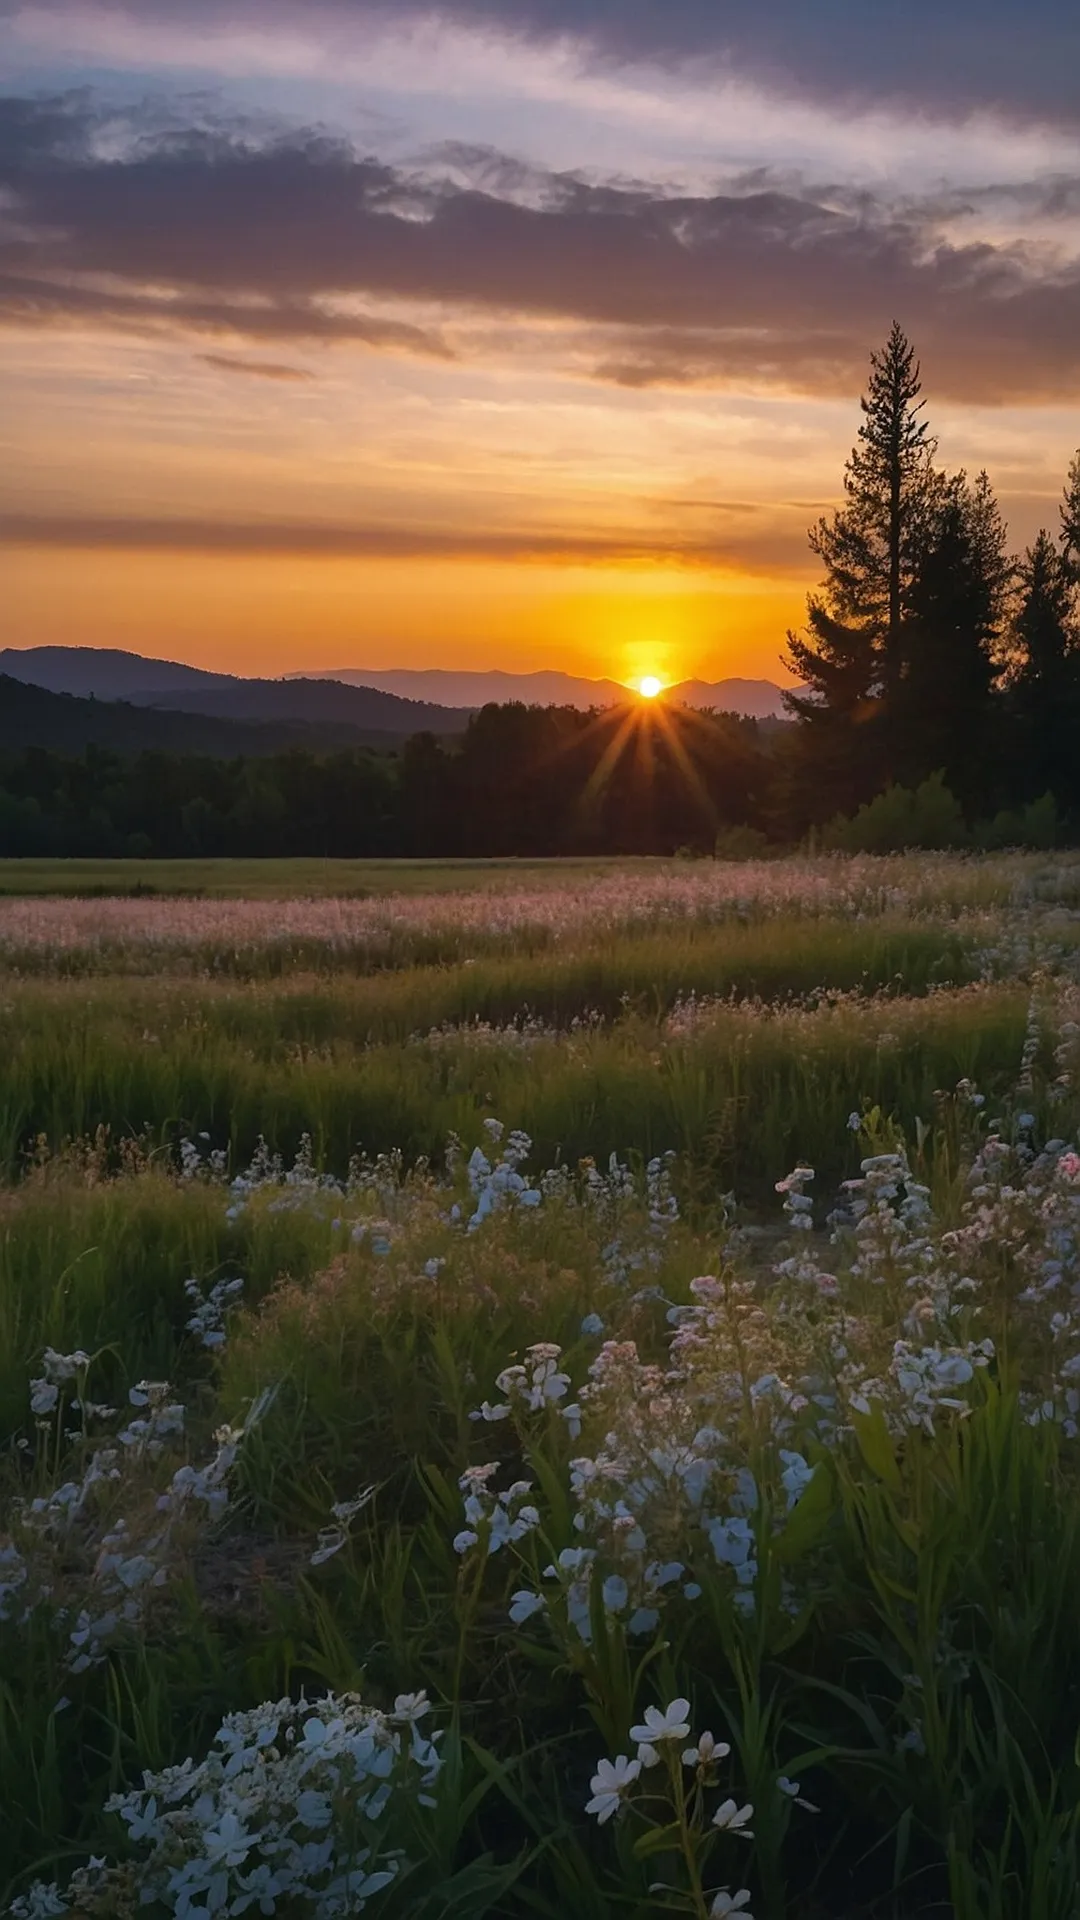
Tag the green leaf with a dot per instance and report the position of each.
(875, 1445)
(658, 1840)
(809, 1518)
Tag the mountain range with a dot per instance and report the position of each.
(67, 698)
(760, 699)
(107, 674)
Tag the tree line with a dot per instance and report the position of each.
(530, 781)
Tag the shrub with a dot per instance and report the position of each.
(741, 843)
(927, 816)
(1038, 825)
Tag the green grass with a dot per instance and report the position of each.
(912, 1657)
(292, 878)
(740, 1096)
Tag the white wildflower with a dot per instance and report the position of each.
(609, 1783)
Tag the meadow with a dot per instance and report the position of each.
(540, 1391)
(289, 878)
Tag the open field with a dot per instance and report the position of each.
(292, 878)
(427, 1293)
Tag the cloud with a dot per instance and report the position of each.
(26, 301)
(295, 236)
(260, 369)
(770, 550)
(928, 56)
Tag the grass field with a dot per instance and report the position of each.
(541, 1391)
(290, 879)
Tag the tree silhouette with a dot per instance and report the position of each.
(1044, 688)
(943, 706)
(850, 659)
(1070, 517)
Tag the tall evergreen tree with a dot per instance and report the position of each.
(1070, 517)
(850, 657)
(943, 715)
(1044, 690)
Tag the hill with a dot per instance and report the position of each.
(32, 716)
(317, 703)
(104, 673)
(108, 674)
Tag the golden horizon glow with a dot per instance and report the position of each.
(650, 686)
(276, 614)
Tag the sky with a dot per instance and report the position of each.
(507, 333)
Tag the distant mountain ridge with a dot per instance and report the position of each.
(109, 674)
(104, 673)
(760, 699)
(396, 701)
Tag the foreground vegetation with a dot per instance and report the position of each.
(623, 1519)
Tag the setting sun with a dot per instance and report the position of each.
(650, 687)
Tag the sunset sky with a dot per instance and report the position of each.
(520, 333)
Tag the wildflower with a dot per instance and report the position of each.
(706, 1752)
(670, 1724)
(228, 1844)
(411, 1706)
(263, 1885)
(312, 1809)
(524, 1604)
(731, 1818)
(643, 1620)
(143, 1822)
(486, 1411)
(725, 1903)
(796, 1476)
(615, 1593)
(791, 1789)
(43, 1902)
(609, 1783)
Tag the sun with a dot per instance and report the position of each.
(650, 687)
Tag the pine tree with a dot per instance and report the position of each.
(850, 658)
(943, 713)
(1070, 517)
(1044, 691)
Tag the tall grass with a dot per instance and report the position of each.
(739, 1092)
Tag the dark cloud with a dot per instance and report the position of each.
(928, 55)
(772, 548)
(280, 238)
(931, 56)
(27, 301)
(259, 369)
